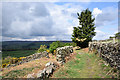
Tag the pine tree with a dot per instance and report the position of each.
(85, 32)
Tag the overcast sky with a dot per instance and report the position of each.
(46, 21)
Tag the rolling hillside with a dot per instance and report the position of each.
(25, 45)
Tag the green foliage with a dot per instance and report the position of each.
(117, 35)
(70, 44)
(85, 32)
(111, 37)
(42, 48)
(57, 44)
(6, 60)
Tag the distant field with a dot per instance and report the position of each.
(23, 48)
(19, 53)
(110, 40)
(25, 45)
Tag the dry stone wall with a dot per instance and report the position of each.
(50, 67)
(110, 52)
(62, 52)
(30, 58)
(35, 56)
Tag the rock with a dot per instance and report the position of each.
(30, 76)
(48, 64)
(52, 63)
(58, 55)
(13, 65)
(20, 62)
(8, 65)
(49, 70)
(40, 74)
(44, 71)
(47, 56)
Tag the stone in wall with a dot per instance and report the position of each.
(62, 52)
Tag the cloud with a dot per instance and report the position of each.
(100, 35)
(30, 19)
(47, 21)
(96, 11)
(60, 1)
(63, 19)
(39, 10)
(42, 38)
(106, 16)
(33, 20)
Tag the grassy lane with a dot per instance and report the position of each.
(85, 65)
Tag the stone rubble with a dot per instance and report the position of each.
(50, 67)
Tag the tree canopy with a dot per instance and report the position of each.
(84, 33)
(117, 35)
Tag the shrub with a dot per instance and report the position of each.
(70, 44)
(48, 50)
(10, 60)
(21, 58)
(54, 52)
(6, 60)
(42, 48)
(4, 65)
(14, 60)
(55, 45)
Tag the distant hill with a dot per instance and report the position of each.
(25, 45)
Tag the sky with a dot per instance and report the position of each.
(51, 21)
